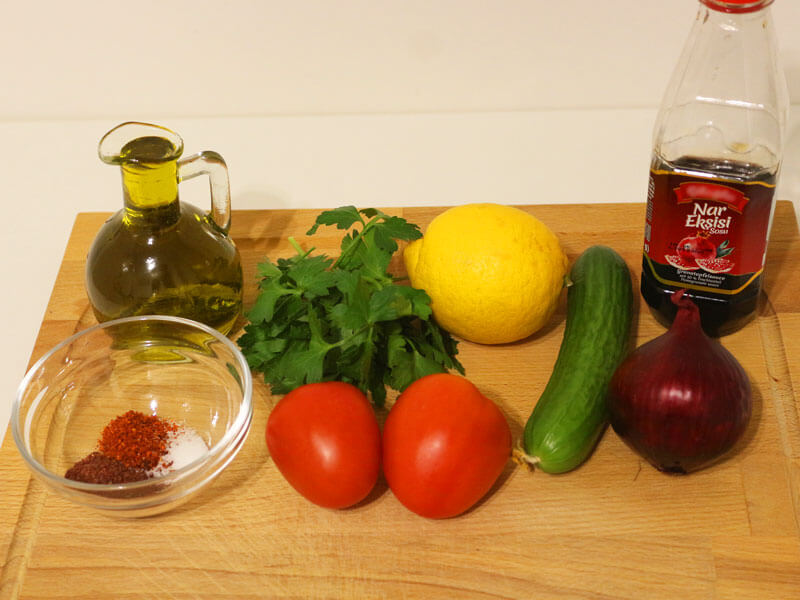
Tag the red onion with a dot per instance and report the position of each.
(680, 400)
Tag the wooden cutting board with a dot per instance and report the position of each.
(614, 528)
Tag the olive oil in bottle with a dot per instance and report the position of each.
(158, 255)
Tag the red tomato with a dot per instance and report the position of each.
(444, 445)
(325, 440)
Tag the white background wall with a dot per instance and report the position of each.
(179, 58)
(322, 103)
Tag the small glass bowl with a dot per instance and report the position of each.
(178, 369)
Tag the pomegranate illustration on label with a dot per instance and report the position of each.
(715, 265)
(677, 261)
(698, 252)
(696, 246)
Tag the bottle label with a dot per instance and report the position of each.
(706, 233)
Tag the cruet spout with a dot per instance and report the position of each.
(139, 143)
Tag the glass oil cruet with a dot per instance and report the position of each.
(158, 255)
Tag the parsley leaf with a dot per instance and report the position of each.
(348, 319)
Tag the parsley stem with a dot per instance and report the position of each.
(344, 340)
(356, 241)
(299, 249)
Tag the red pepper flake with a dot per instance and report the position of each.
(136, 440)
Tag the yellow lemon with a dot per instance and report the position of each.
(494, 273)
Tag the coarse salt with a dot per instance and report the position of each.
(184, 445)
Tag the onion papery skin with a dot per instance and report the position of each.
(681, 400)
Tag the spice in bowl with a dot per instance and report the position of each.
(135, 446)
(99, 468)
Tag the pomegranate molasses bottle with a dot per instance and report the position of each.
(717, 149)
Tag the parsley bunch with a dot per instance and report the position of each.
(320, 319)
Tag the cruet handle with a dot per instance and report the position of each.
(212, 164)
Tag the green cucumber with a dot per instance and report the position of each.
(571, 414)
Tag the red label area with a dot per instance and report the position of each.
(698, 191)
(706, 233)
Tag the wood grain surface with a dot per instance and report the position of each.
(614, 528)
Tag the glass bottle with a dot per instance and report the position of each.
(717, 148)
(158, 255)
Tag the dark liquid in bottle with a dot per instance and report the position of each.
(706, 229)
